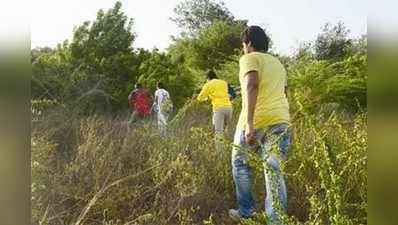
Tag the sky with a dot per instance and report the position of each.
(288, 21)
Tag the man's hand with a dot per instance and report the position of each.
(250, 136)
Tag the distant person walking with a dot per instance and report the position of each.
(140, 101)
(263, 122)
(163, 106)
(218, 92)
(231, 92)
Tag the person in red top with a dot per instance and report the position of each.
(140, 101)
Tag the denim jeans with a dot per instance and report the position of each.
(276, 198)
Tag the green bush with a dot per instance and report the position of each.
(317, 83)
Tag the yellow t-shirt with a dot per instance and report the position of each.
(272, 106)
(217, 91)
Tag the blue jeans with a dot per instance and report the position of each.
(276, 198)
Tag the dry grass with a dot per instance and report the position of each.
(96, 171)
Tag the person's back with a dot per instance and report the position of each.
(263, 124)
(163, 106)
(217, 91)
(141, 101)
(272, 106)
(162, 98)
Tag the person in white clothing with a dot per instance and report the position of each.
(163, 106)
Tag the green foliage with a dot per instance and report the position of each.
(342, 83)
(214, 34)
(98, 69)
(333, 42)
(95, 66)
(216, 44)
(176, 78)
(211, 47)
(195, 15)
(230, 71)
(51, 71)
(107, 37)
(118, 174)
(38, 108)
(92, 168)
(335, 160)
(104, 47)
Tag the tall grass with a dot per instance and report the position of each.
(97, 170)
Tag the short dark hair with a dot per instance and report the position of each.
(210, 74)
(160, 85)
(138, 85)
(257, 37)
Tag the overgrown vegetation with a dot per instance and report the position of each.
(90, 167)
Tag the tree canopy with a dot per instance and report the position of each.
(98, 67)
(194, 15)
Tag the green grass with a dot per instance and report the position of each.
(96, 170)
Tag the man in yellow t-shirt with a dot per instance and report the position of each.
(217, 91)
(263, 121)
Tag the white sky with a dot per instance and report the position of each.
(288, 21)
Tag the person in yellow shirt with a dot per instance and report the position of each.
(217, 91)
(263, 122)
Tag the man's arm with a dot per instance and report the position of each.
(204, 93)
(252, 92)
(155, 104)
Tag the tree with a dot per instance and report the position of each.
(305, 49)
(211, 47)
(210, 36)
(194, 15)
(177, 79)
(217, 43)
(104, 47)
(39, 51)
(359, 46)
(51, 72)
(333, 42)
(109, 35)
